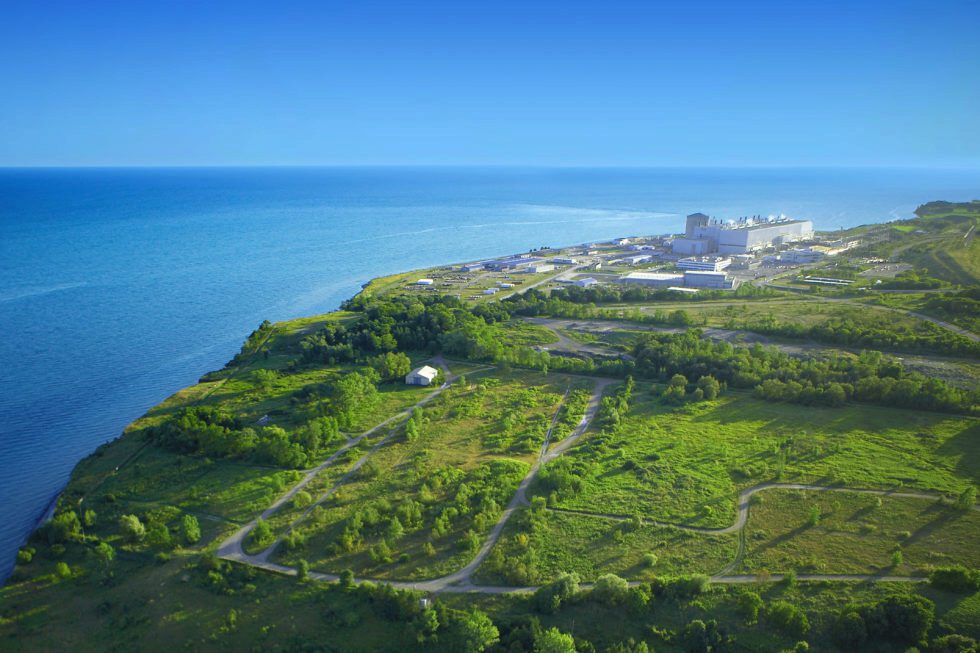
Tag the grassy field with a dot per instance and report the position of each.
(687, 464)
(476, 439)
(536, 548)
(840, 532)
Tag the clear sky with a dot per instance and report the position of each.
(745, 82)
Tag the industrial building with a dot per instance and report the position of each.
(634, 259)
(473, 267)
(708, 279)
(564, 260)
(801, 256)
(709, 263)
(705, 236)
(654, 279)
(513, 263)
(588, 282)
(540, 267)
(424, 282)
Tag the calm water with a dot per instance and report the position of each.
(118, 287)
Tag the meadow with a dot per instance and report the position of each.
(686, 464)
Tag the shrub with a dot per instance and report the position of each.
(62, 570)
(548, 598)
(610, 589)
(787, 618)
(956, 578)
(650, 560)
(191, 529)
(749, 605)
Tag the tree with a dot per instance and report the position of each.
(709, 386)
(191, 529)
(749, 604)
(610, 589)
(548, 598)
(63, 527)
(89, 518)
(105, 554)
(132, 528)
(62, 570)
(302, 571)
(553, 641)
(346, 579)
(788, 619)
(261, 534)
(158, 535)
(391, 365)
(471, 632)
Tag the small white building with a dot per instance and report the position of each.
(588, 282)
(490, 291)
(421, 376)
(564, 260)
(424, 282)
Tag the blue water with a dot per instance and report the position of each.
(119, 287)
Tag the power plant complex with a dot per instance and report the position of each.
(704, 235)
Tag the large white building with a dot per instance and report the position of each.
(654, 279)
(704, 235)
(709, 263)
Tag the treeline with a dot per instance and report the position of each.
(842, 331)
(215, 432)
(870, 377)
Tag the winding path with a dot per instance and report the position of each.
(461, 580)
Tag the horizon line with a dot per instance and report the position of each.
(538, 166)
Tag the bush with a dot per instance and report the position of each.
(191, 529)
(955, 578)
(610, 589)
(749, 605)
(650, 560)
(788, 619)
(24, 556)
(548, 598)
(62, 570)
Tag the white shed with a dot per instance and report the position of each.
(421, 376)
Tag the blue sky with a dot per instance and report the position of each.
(537, 83)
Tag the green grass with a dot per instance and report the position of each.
(537, 548)
(494, 419)
(857, 534)
(687, 464)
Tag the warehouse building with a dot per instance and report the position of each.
(704, 235)
(514, 263)
(653, 279)
(540, 267)
(708, 279)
